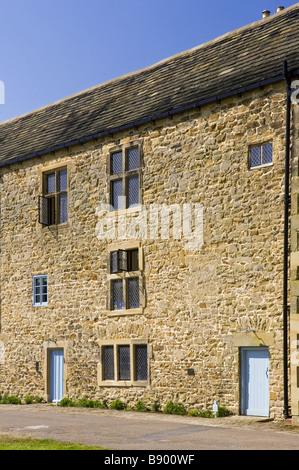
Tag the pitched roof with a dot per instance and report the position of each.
(236, 61)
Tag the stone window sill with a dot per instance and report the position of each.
(265, 165)
(131, 311)
(122, 383)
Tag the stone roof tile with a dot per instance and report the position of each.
(234, 61)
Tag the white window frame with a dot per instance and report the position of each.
(34, 286)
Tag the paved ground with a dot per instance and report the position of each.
(123, 430)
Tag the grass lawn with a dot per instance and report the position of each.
(11, 443)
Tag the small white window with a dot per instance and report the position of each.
(40, 290)
(261, 155)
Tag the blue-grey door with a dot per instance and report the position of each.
(255, 381)
(56, 375)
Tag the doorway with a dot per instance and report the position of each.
(254, 381)
(56, 386)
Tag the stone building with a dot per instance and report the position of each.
(149, 243)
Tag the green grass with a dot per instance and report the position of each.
(11, 443)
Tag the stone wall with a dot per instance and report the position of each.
(294, 264)
(201, 305)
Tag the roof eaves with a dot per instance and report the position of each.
(190, 106)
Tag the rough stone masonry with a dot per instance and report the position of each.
(199, 306)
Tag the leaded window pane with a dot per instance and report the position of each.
(118, 261)
(255, 156)
(108, 360)
(116, 163)
(62, 208)
(133, 292)
(44, 210)
(267, 153)
(51, 183)
(141, 361)
(63, 180)
(122, 260)
(114, 262)
(124, 370)
(133, 158)
(133, 191)
(117, 295)
(117, 193)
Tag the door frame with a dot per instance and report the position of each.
(243, 381)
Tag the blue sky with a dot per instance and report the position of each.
(54, 48)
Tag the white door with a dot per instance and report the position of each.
(255, 381)
(56, 375)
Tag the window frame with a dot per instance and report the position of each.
(132, 381)
(261, 165)
(55, 196)
(39, 277)
(125, 276)
(125, 174)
